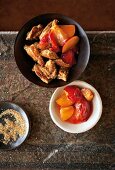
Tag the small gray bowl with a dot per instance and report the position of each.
(14, 144)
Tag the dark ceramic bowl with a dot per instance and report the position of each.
(12, 145)
(25, 63)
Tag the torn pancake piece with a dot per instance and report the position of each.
(35, 32)
(33, 52)
(61, 63)
(51, 67)
(63, 73)
(47, 73)
(49, 54)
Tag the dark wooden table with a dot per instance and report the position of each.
(91, 14)
(48, 147)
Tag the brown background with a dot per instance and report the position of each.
(91, 14)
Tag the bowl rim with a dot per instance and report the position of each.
(84, 84)
(61, 15)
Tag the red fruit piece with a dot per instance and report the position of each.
(69, 57)
(54, 45)
(82, 112)
(43, 44)
(74, 93)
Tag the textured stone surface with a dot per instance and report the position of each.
(48, 147)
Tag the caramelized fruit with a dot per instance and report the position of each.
(64, 100)
(66, 112)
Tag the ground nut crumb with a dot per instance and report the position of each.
(11, 129)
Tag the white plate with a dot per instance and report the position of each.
(82, 127)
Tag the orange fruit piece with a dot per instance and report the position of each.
(71, 43)
(64, 101)
(68, 29)
(66, 112)
(60, 35)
